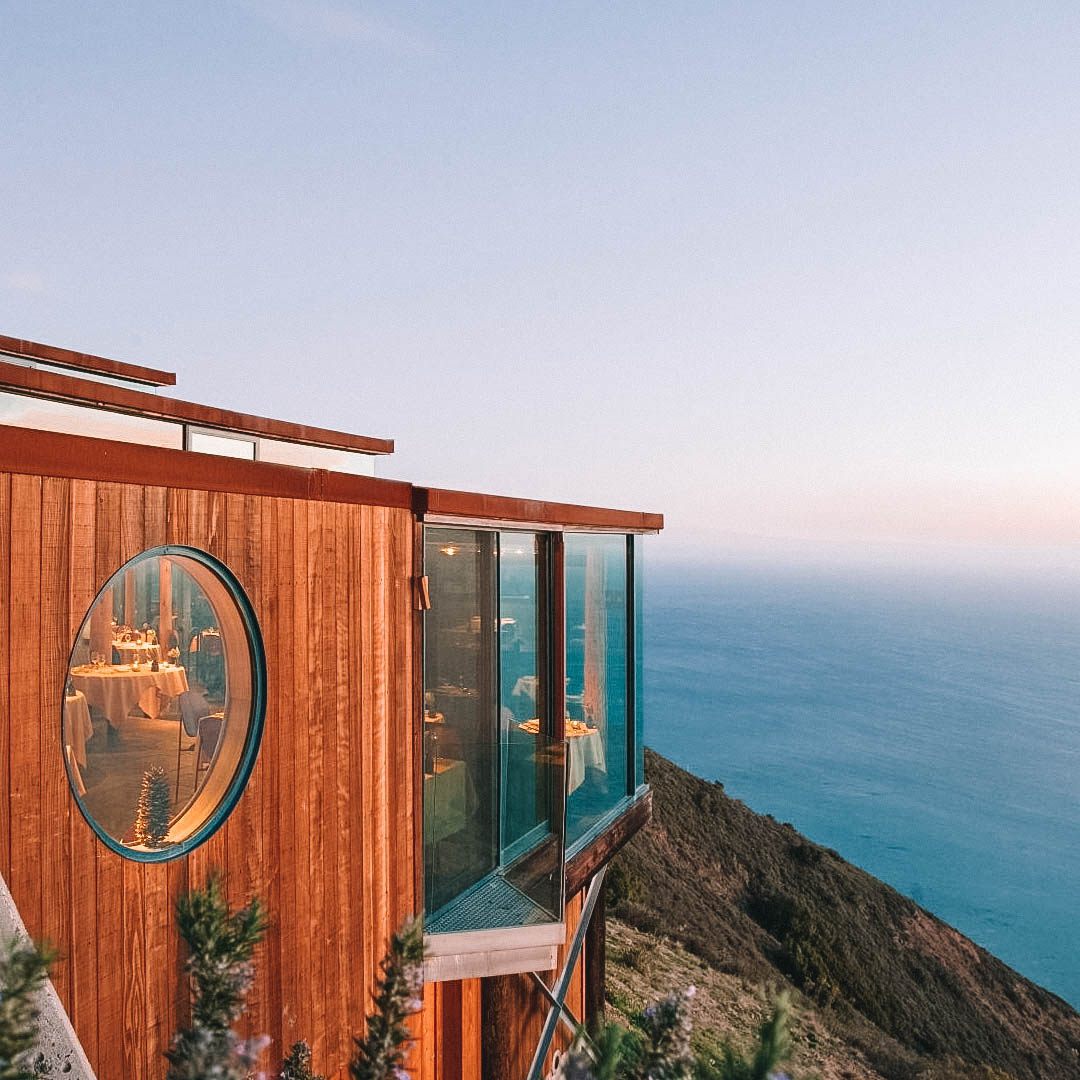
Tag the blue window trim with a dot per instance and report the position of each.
(257, 656)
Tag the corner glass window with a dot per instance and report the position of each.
(596, 679)
(163, 703)
(493, 773)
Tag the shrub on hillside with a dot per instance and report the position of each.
(23, 969)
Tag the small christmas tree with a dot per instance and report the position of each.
(152, 813)
(381, 1054)
(220, 944)
(297, 1066)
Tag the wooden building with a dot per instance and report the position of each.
(363, 698)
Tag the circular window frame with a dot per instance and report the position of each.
(256, 720)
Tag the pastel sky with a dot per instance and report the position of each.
(792, 273)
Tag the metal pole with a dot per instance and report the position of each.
(563, 982)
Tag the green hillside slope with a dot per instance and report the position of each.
(885, 988)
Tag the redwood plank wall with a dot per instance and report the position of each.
(324, 831)
(488, 1029)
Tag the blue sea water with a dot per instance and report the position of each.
(925, 725)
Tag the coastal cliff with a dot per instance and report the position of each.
(742, 906)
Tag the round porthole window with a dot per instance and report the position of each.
(163, 703)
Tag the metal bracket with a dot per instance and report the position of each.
(557, 994)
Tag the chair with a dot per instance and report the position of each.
(207, 742)
(73, 768)
(193, 708)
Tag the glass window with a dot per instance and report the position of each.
(316, 457)
(596, 678)
(42, 414)
(523, 691)
(209, 442)
(493, 775)
(163, 704)
(460, 782)
(639, 660)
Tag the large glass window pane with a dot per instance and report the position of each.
(460, 733)
(596, 678)
(639, 664)
(493, 774)
(523, 692)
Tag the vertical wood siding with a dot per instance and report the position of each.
(454, 1021)
(324, 831)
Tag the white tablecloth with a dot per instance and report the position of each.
(116, 690)
(584, 747)
(444, 799)
(136, 650)
(585, 751)
(77, 726)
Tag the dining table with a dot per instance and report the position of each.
(137, 650)
(115, 690)
(584, 748)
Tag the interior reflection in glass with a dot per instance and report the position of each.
(147, 697)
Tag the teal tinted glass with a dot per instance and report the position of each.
(639, 661)
(460, 761)
(596, 678)
(493, 776)
(523, 692)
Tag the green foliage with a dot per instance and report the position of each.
(220, 944)
(297, 1065)
(621, 886)
(380, 1055)
(664, 1052)
(662, 1049)
(152, 813)
(808, 948)
(773, 1047)
(23, 968)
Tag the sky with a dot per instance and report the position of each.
(803, 277)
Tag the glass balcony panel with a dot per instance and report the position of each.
(596, 674)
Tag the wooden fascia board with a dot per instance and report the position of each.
(53, 354)
(35, 382)
(467, 505)
(600, 852)
(48, 453)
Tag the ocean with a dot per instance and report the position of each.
(924, 724)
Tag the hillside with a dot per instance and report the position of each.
(738, 903)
